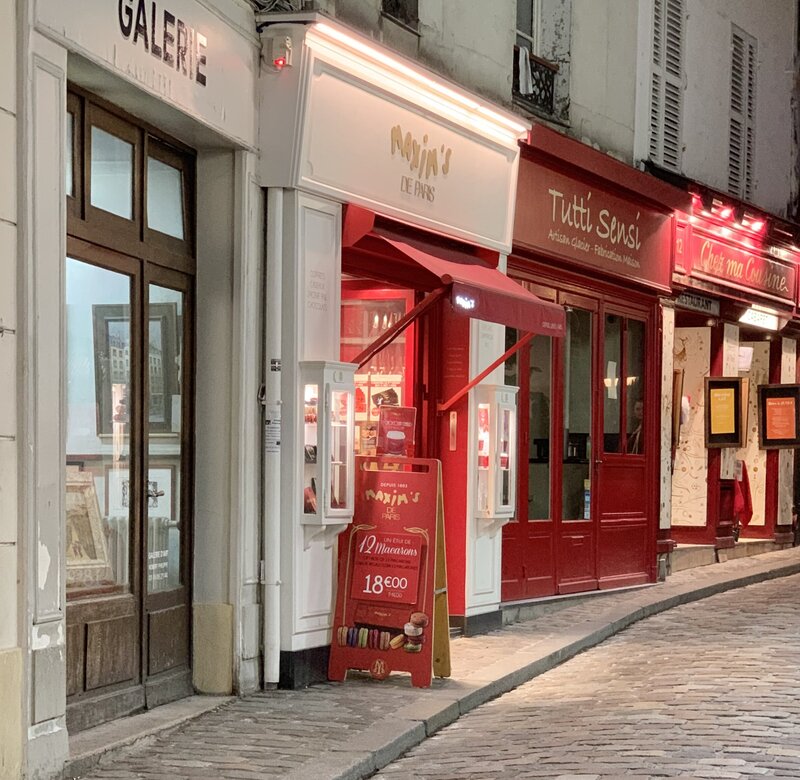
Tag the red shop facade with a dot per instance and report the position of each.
(595, 236)
(736, 281)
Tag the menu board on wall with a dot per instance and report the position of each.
(779, 416)
(726, 411)
(391, 601)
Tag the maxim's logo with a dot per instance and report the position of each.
(424, 161)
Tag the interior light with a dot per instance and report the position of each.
(761, 317)
(726, 212)
(757, 225)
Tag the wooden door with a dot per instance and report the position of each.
(168, 456)
(129, 415)
(623, 489)
(103, 475)
(575, 418)
(528, 558)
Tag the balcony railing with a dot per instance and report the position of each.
(542, 83)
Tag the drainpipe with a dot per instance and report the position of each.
(271, 499)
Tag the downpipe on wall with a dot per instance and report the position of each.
(271, 497)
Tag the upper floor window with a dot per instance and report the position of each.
(741, 138)
(533, 76)
(666, 84)
(405, 11)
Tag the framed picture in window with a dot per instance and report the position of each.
(88, 563)
(113, 367)
(726, 411)
(778, 416)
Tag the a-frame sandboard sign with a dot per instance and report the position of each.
(391, 603)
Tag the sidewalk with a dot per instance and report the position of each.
(352, 729)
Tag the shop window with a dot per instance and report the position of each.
(112, 173)
(540, 394)
(742, 121)
(623, 385)
(666, 84)
(165, 198)
(577, 445)
(133, 189)
(99, 497)
(634, 385)
(612, 391)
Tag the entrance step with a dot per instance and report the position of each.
(690, 556)
(746, 547)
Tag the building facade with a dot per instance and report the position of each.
(217, 214)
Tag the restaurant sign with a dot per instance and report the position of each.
(563, 216)
(736, 267)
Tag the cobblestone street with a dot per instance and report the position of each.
(710, 689)
(707, 689)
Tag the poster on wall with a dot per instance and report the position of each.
(726, 411)
(391, 601)
(778, 416)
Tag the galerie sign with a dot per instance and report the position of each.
(731, 265)
(165, 36)
(563, 216)
(200, 61)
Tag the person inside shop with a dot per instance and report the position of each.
(635, 441)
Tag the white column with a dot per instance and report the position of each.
(42, 242)
(312, 229)
(11, 658)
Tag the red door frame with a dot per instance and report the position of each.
(570, 286)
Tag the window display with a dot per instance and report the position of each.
(327, 453)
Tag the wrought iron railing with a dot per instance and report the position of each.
(542, 86)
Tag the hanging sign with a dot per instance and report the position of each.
(391, 603)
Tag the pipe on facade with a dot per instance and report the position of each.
(271, 497)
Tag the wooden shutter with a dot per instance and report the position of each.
(666, 84)
(741, 137)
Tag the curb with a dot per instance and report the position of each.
(389, 739)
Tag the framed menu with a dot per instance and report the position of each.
(726, 411)
(778, 416)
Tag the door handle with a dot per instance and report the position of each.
(598, 462)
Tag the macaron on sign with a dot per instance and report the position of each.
(390, 561)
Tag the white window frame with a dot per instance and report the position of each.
(534, 37)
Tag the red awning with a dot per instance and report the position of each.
(480, 291)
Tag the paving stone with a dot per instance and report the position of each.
(708, 689)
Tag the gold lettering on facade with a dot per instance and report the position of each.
(424, 161)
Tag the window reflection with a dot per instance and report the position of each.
(634, 354)
(98, 477)
(575, 487)
(112, 174)
(540, 389)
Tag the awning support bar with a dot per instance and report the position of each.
(441, 408)
(388, 336)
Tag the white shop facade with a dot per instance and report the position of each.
(389, 192)
(138, 446)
